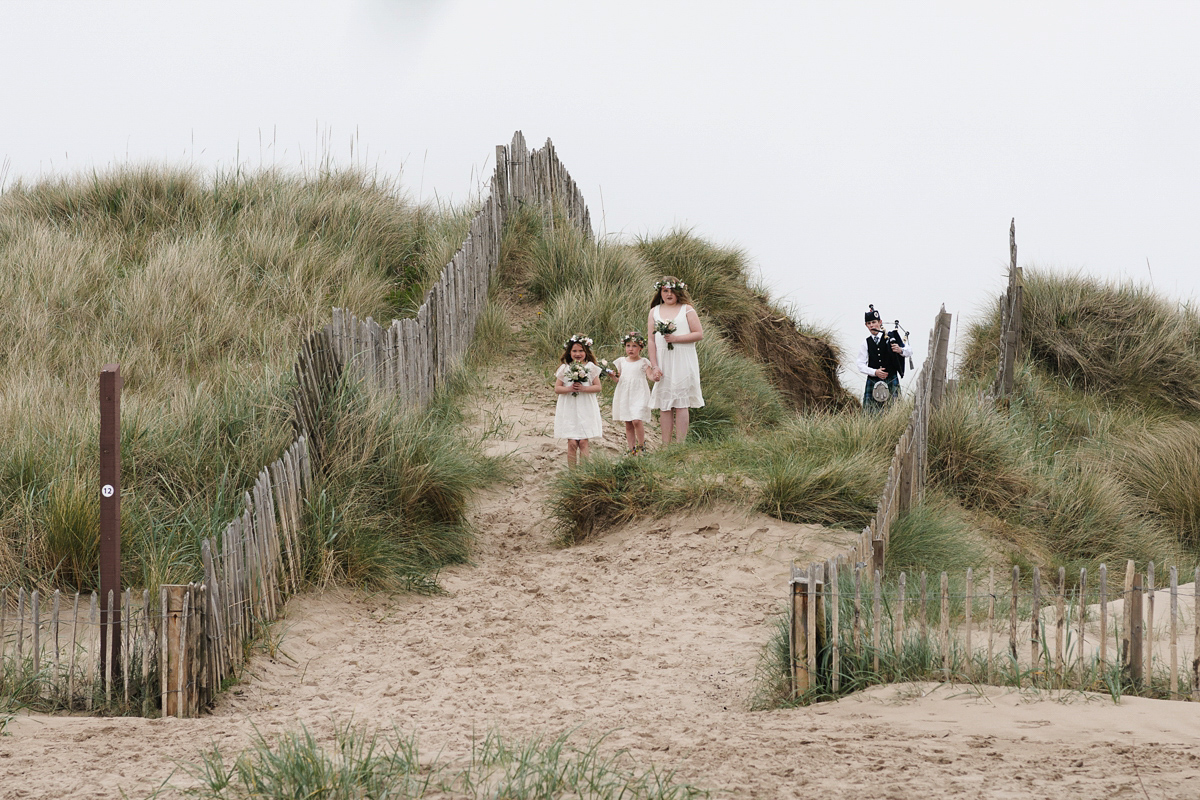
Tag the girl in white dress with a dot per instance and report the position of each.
(577, 415)
(631, 400)
(674, 328)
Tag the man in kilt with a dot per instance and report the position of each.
(881, 358)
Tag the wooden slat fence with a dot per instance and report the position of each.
(410, 357)
(1139, 634)
(904, 486)
(50, 645)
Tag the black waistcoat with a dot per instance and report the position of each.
(881, 356)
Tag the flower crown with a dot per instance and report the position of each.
(578, 338)
(670, 285)
(633, 336)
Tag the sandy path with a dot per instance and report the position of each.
(652, 633)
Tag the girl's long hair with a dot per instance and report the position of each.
(587, 352)
(681, 295)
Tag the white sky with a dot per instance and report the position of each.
(859, 152)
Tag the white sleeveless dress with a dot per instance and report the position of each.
(680, 384)
(578, 417)
(631, 399)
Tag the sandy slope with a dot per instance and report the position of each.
(652, 633)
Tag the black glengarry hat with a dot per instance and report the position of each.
(872, 314)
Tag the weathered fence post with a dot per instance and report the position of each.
(807, 628)
(173, 669)
(1136, 660)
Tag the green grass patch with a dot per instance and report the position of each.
(360, 763)
(389, 508)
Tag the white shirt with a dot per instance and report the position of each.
(864, 356)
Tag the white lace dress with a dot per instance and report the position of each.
(631, 399)
(680, 384)
(578, 416)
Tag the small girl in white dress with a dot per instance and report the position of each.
(631, 400)
(577, 383)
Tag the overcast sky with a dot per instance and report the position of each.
(858, 152)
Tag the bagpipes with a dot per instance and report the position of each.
(900, 336)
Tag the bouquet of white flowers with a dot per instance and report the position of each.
(665, 328)
(606, 369)
(577, 372)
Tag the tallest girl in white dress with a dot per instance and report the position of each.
(673, 361)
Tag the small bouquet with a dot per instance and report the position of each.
(607, 369)
(665, 328)
(576, 373)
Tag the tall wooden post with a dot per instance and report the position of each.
(1136, 657)
(808, 632)
(110, 512)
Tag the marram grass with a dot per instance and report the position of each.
(361, 762)
(201, 288)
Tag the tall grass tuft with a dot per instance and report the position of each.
(836, 492)
(979, 456)
(1120, 340)
(390, 507)
(933, 536)
(1161, 465)
(601, 493)
(364, 763)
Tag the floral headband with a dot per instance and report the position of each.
(578, 338)
(670, 285)
(633, 336)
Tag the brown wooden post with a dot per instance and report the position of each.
(172, 668)
(1149, 630)
(1126, 648)
(1035, 620)
(1174, 633)
(937, 385)
(1012, 617)
(1137, 660)
(877, 554)
(876, 618)
(835, 599)
(798, 640)
(1103, 616)
(110, 512)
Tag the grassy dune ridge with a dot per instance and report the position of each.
(1095, 456)
(201, 288)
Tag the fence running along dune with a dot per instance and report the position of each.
(183, 644)
(1051, 632)
(904, 486)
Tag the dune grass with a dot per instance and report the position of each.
(1094, 456)
(201, 287)
(360, 762)
(1119, 340)
(818, 468)
(390, 505)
